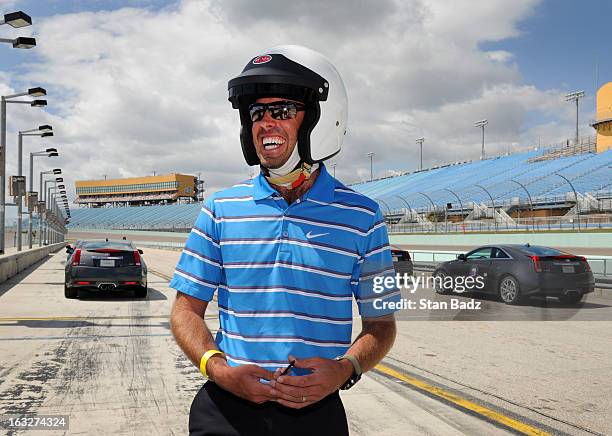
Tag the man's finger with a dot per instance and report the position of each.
(293, 405)
(309, 363)
(297, 392)
(286, 397)
(300, 380)
(259, 372)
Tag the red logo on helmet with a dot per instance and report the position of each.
(262, 59)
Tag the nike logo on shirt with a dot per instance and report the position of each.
(310, 235)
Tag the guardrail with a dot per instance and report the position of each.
(13, 263)
(521, 224)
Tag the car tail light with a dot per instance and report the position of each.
(587, 267)
(136, 258)
(76, 259)
(129, 283)
(537, 263)
(83, 283)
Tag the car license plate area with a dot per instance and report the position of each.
(569, 269)
(107, 263)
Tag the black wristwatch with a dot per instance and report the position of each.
(356, 376)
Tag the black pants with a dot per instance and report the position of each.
(215, 411)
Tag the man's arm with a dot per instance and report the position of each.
(194, 337)
(373, 343)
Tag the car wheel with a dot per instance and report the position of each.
(509, 290)
(573, 298)
(70, 292)
(141, 292)
(439, 278)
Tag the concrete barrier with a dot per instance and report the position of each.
(14, 263)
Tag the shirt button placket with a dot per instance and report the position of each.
(285, 234)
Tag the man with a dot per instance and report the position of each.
(286, 252)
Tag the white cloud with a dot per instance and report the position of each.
(135, 91)
(500, 55)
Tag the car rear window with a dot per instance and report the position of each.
(111, 245)
(92, 254)
(543, 251)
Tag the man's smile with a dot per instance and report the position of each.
(272, 142)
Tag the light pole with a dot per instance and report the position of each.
(40, 210)
(34, 92)
(42, 131)
(370, 155)
(56, 222)
(47, 202)
(49, 152)
(482, 124)
(16, 20)
(575, 96)
(420, 142)
(51, 209)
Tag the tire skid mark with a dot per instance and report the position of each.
(24, 393)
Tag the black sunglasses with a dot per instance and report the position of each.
(279, 110)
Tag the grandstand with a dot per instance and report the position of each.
(178, 217)
(137, 191)
(516, 191)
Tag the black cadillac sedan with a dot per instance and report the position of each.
(517, 271)
(105, 266)
(402, 262)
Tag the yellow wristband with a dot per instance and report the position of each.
(204, 360)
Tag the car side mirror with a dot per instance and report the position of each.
(140, 251)
(462, 257)
(69, 250)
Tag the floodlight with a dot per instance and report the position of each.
(24, 42)
(38, 103)
(17, 19)
(38, 92)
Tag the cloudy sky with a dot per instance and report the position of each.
(140, 86)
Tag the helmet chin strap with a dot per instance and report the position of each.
(292, 173)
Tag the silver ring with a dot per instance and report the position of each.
(303, 399)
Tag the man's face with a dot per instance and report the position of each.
(280, 136)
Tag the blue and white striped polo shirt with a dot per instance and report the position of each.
(286, 274)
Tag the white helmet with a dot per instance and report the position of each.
(298, 73)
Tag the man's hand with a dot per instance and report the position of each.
(243, 381)
(301, 391)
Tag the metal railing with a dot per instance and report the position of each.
(585, 223)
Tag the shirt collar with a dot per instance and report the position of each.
(261, 188)
(321, 190)
(323, 187)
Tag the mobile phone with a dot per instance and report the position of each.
(288, 368)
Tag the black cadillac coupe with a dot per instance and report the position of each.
(517, 271)
(105, 266)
